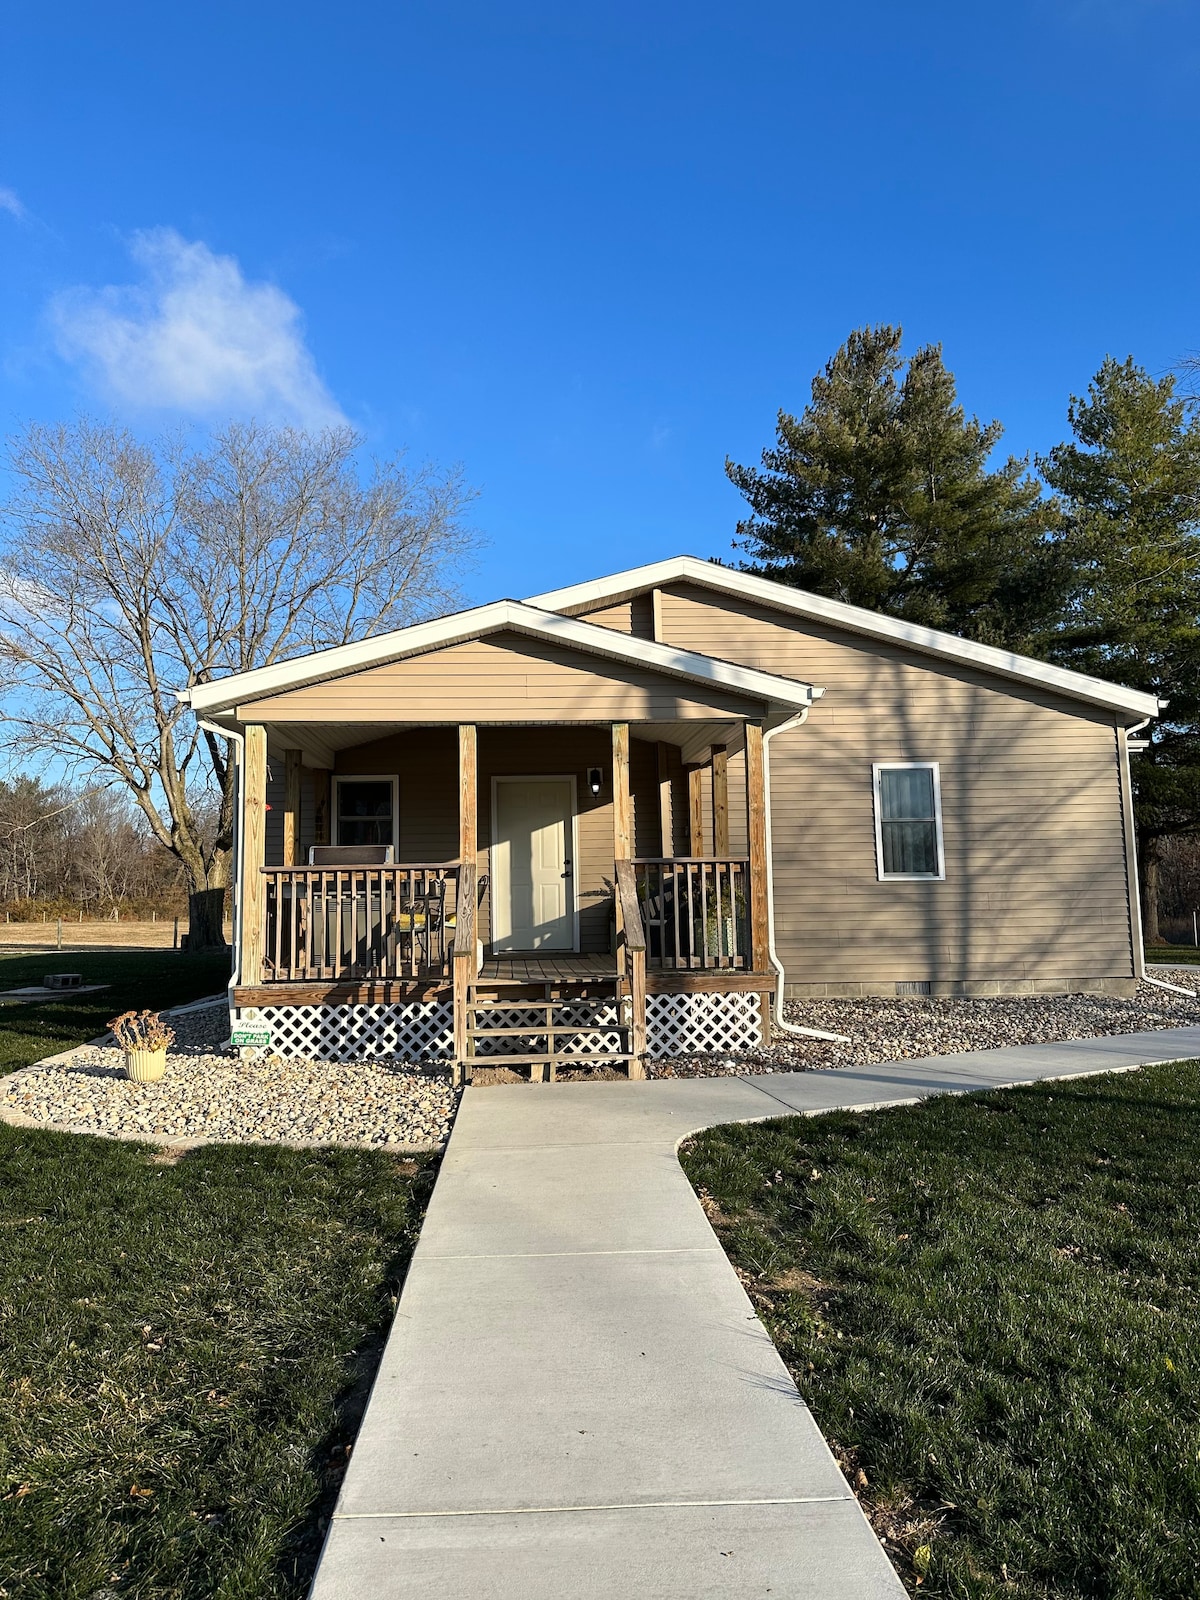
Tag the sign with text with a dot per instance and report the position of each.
(255, 1037)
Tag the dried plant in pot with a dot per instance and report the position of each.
(145, 1038)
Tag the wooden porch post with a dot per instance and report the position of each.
(756, 830)
(465, 969)
(291, 807)
(252, 889)
(666, 841)
(622, 799)
(695, 777)
(468, 792)
(622, 819)
(321, 787)
(720, 799)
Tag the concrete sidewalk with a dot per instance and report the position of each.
(576, 1399)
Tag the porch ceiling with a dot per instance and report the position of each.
(319, 742)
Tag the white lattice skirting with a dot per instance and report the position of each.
(418, 1032)
(701, 1024)
(676, 1025)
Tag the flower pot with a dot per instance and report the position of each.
(145, 1066)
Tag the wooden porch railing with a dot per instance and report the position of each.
(359, 922)
(696, 910)
(633, 962)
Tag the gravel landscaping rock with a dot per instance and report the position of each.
(891, 1030)
(207, 1096)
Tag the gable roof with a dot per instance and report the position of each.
(1134, 703)
(781, 695)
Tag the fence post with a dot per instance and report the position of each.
(60, 933)
(175, 936)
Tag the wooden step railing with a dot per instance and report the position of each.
(465, 967)
(696, 910)
(631, 955)
(359, 922)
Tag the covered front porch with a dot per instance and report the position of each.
(462, 871)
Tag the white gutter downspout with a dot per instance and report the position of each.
(1135, 888)
(239, 742)
(772, 953)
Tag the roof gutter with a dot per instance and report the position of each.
(772, 953)
(239, 743)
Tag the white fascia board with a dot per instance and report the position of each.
(499, 616)
(855, 619)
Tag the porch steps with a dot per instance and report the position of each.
(549, 1025)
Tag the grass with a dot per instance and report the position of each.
(1176, 954)
(185, 1345)
(990, 1303)
(137, 978)
(184, 1352)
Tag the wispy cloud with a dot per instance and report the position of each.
(10, 201)
(194, 335)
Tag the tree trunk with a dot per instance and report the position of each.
(1148, 873)
(206, 920)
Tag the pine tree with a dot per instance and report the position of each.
(879, 494)
(1130, 485)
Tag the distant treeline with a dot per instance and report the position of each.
(66, 850)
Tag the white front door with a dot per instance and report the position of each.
(533, 907)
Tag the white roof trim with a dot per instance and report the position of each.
(677, 569)
(506, 616)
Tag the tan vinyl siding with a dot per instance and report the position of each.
(426, 762)
(1035, 889)
(273, 849)
(501, 679)
(634, 616)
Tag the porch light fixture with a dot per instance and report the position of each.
(595, 778)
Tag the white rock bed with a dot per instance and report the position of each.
(893, 1030)
(209, 1096)
(206, 1096)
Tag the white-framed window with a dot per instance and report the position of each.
(908, 820)
(364, 809)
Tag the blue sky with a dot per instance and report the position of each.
(587, 252)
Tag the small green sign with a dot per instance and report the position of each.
(254, 1038)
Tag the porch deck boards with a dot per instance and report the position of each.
(560, 967)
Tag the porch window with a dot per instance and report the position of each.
(366, 811)
(908, 820)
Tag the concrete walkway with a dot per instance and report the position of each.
(576, 1399)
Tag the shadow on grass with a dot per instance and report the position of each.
(136, 979)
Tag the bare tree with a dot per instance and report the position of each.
(129, 570)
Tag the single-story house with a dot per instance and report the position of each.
(634, 815)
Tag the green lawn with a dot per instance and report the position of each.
(1178, 954)
(184, 1346)
(991, 1304)
(137, 978)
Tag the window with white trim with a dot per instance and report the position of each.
(908, 820)
(366, 810)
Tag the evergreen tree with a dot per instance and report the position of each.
(879, 494)
(1130, 485)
